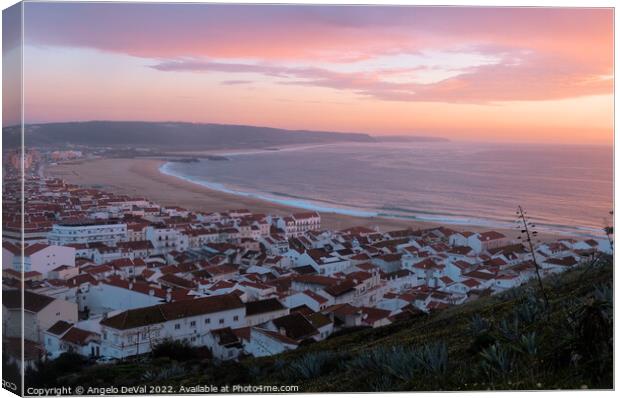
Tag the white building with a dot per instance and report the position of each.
(89, 231)
(117, 294)
(137, 331)
(259, 312)
(300, 223)
(38, 257)
(165, 240)
(64, 337)
(323, 262)
(39, 314)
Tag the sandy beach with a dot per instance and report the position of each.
(141, 177)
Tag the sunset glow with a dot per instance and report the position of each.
(500, 74)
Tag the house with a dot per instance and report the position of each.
(127, 268)
(461, 238)
(313, 300)
(486, 279)
(38, 257)
(63, 272)
(294, 326)
(344, 315)
(323, 262)
(136, 331)
(263, 342)
(256, 290)
(139, 248)
(224, 344)
(388, 262)
(114, 294)
(313, 283)
(558, 264)
(456, 268)
(52, 337)
(323, 324)
(342, 292)
(484, 241)
(259, 312)
(506, 281)
(39, 314)
(375, 317)
(64, 337)
(428, 270)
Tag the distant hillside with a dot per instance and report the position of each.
(409, 138)
(168, 135)
(504, 342)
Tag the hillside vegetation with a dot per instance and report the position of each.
(509, 341)
(194, 136)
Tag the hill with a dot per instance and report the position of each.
(504, 342)
(168, 135)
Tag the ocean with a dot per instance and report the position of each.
(565, 189)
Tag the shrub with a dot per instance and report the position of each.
(164, 373)
(174, 349)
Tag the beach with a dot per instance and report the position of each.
(141, 177)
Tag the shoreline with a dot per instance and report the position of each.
(143, 177)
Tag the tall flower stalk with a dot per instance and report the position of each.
(527, 235)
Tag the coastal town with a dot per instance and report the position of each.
(111, 276)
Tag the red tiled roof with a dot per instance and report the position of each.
(491, 235)
(170, 311)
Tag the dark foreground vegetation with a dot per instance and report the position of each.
(505, 342)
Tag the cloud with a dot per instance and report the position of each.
(236, 82)
(542, 53)
(308, 32)
(519, 76)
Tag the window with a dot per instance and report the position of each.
(221, 321)
(236, 318)
(192, 323)
(177, 326)
(208, 321)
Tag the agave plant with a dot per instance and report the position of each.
(510, 330)
(528, 311)
(375, 359)
(310, 365)
(604, 292)
(496, 360)
(434, 357)
(402, 363)
(528, 344)
(478, 325)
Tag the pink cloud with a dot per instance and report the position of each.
(546, 53)
(293, 32)
(519, 77)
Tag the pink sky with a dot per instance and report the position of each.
(504, 74)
